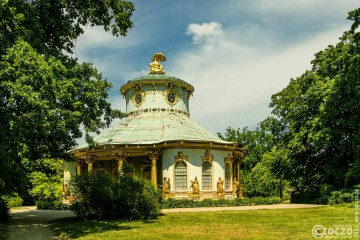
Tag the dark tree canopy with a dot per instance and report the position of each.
(319, 112)
(52, 26)
(313, 139)
(47, 96)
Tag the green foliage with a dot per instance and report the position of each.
(325, 193)
(261, 182)
(339, 197)
(99, 196)
(50, 205)
(188, 203)
(94, 195)
(45, 94)
(14, 200)
(52, 26)
(47, 183)
(263, 168)
(320, 122)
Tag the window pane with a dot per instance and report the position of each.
(206, 176)
(180, 176)
(206, 182)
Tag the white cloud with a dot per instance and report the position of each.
(204, 33)
(233, 83)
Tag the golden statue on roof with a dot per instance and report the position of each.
(156, 67)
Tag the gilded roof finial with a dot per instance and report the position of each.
(156, 67)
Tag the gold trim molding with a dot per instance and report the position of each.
(181, 157)
(229, 158)
(120, 155)
(171, 90)
(138, 93)
(207, 157)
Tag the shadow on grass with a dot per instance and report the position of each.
(4, 230)
(74, 227)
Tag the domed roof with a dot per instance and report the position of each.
(157, 105)
(154, 128)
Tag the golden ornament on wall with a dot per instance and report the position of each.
(138, 97)
(181, 157)
(207, 156)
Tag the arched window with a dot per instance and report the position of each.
(180, 176)
(227, 176)
(206, 176)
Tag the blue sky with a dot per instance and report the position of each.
(235, 53)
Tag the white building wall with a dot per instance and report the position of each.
(155, 98)
(69, 171)
(194, 165)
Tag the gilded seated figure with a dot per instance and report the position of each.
(156, 67)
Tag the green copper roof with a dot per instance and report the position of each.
(153, 128)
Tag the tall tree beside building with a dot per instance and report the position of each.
(319, 112)
(45, 94)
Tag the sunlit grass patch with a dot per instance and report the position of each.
(255, 224)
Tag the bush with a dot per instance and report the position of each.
(188, 203)
(14, 201)
(338, 197)
(325, 193)
(47, 184)
(99, 196)
(53, 205)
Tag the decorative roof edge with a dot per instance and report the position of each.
(155, 79)
(134, 149)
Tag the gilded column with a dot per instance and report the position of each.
(229, 160)
(120, 157)
(238, 169)
(90, 159)
(238, 159)
(154, 156)
(78, 169)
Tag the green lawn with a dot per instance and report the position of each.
(258, 224)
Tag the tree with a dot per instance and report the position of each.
(46, 177)
(45, 94)
(262, 171)
(319, 114)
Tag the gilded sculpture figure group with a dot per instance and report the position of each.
(237, 191)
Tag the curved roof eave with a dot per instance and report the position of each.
(151, 128)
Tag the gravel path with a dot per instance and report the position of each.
(240, 208)
(32, 224)
(29, 223)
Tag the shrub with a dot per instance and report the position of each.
(14, 201)
(325, 193)
(93, 195)
(99, 196)
(135, 198)
(53, 205)
(188, 203)
(338, 197)
(47, 184)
